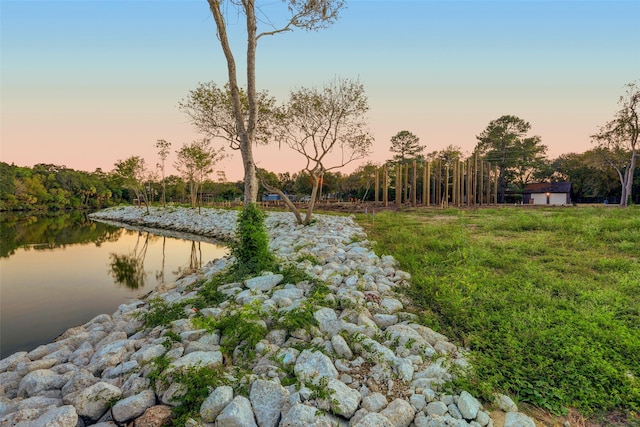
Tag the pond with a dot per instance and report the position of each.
(60, 271)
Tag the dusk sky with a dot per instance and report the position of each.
(88, 82)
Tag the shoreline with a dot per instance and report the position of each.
(378, 365)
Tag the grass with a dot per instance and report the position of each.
(548, 300)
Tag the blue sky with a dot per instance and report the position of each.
(85, 83)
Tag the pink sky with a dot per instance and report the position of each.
(85, 84)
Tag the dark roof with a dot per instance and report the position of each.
(548, 187)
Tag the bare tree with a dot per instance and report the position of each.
(304, 14)
(195, 162)
(318, 122)
(621, 135)
(163, 151)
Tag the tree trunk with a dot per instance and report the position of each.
(628, 189)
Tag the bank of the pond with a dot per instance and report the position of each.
(339, 349)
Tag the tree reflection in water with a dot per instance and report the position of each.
(128, 269)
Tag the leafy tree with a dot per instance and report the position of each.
(406, 146)
(621, 135)
(163, 151)
(505, 143)
(318, 121)
(195, 162)
(133, 174)
(304, 14)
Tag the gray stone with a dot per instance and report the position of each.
(374, 420)
(385, 320)
(134, 406)
(39, 402)
(9, 363)
(82, 355)
(10, 381)
(418, 401)
(93, 401)
(505, 403)
(301, 415)
(341, 347)
(267, 399)
(197, 358)
(399, 412)
(121, 370)
(148, 353)
(264, 283)
(344, 400)
(23, 368)
(23, 418)
(482, 418)
(375, 402)
(390, 305)
(238, 413)
(40, 380)
(454, 411)
(63, 416)
(518, 419)
(313, 366)
(215, 403)
(79, 381)
(109, 355)
(173, 394)
(468, 405)
(436, 408)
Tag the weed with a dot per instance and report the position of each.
(162, 313)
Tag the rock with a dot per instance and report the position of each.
(93, 401)
(79, 381)
(156, 416)
(23, 368)
(374, 402)
(238, 413)
(518, 419)
(399, 412)
(390, 305)
(374, 420)
(344, 400)
(64, 416)
(468, 405)
(9, 363)
(505, 403)
(10, 382)
(173, 394)
(197, 358)
(215, 403)
(437, 408)
(313, 366)
(267, 399)
(341, 347)
(264, 283)
(40, 380)
(134, 406)
(307, 416)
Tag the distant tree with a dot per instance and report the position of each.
(505, 144)
(195, 162)
(163, 151)
(406, 146)
(621, 135)
(305, 14)
(133, 175)
(317, 122)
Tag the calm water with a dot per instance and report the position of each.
(60, 271)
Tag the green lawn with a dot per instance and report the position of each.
(547, 299)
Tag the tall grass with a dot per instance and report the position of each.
(548, 300)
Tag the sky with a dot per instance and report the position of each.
(86, 83)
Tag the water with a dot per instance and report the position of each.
(60, 271)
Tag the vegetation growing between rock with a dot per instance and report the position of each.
(251, 248)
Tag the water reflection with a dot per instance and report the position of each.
(50, 282)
